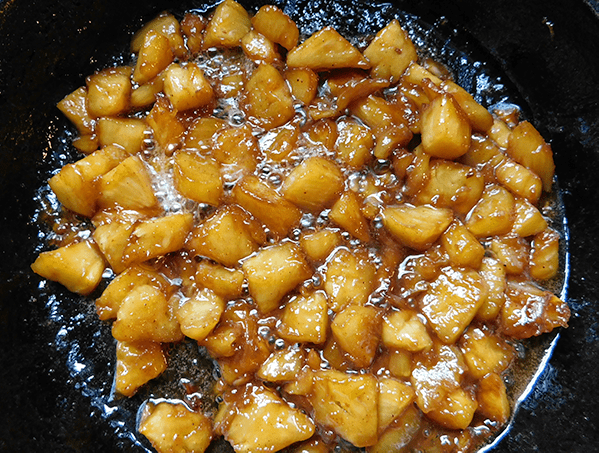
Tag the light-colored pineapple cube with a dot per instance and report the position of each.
(75, 185)
(154, 56)
(198, 177)
(86, 144)
(304, 319)
(418, 171)
(357, 330)
(77, 266)
(227, 236)
(126, 132)
(354, 144)
(461, 246)
(314, 445)
(452, 300)
(108, 91)
(273, 272)
(74, 107)
(347, 213)
(544, 255)
(444, 129)
(262, 423)
(349, 278)
(303, 83)
(223, 341)
(314, 184)
(231, 85)
(391, 138)
(278, 144)
(390, 52)
(500, 132)
(326, 49)
(282, 365)
(302, 384)
(479, 117)
(356, 88)
(136, 364)
(394, 398)
(192, 27)
(165, 24)
(186, 87)
(276, 26)
(201, 132)
(399, 435)
(527, 147)
(319, 244)
(417, 75)
(404, 330)
(456, 410)
(268, 98)
(266, 205)
(323, 133)
(512, 252)
(492, 398)
(237, 149)
(259, 48)
(146, 315)
(112, 239)
(528, 220)
(400, 363)
(173, 427)
(146, 94)
(519, 180)
(347, 404)
(166, 126)
(377, 113)
(228, 25)
(482, 151)
(227, 283)
(199, 314)
(493, 272)
(416, 226)
(128, 186)
(493, 214)
(485, 353)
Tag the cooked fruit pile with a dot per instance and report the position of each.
(353, 238)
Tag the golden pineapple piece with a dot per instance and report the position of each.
(198, 177)
(278, 144)
(456, 410)
(354, 144)
(346, 212)
(479, 117)
(112, 239)
(394, 398)
(529, 311)
(86, 144)
(165, 24)
(528, 220)
(493, 273)
(108, 91)
(304, 319)
(326, 49)
(399, 435)
(390, 52)
(527, 147)
(173, 427)
(237, 149)
(154, 56)
(128, 185)
(416, 226)
(400, 363)
(261, 422)
(403, 330)
(492, 398)
(75, 185)
(303, 83)
(482, 151)
(461, 246)
(273, 272)
(417, 75)
(231, 86)
(519, 180)
(136, 364)
(199, 314)
(493, 214)
(259, 48)
(349, 278)
(227, 236)
(201, 132)
(512, 252)
(452, 300)
(276, 26)
(500, 132)
(186, 87)
(74, 107)
(223, 341)
(378, 113)
(444, 128)
(451, 185)
(354, 90)
(347, 404)
(544, 256)
(266, 205)
(312, 446)
(418, 172)
(390, 138)
(282, 365)
(146, 315)
(324, 133)
(314, 184)
(319, 244)
(357, 330)
(168, 129)
(485, 353)
(268, 98)
(126, 132)
(146, 94)
(229, 23)
(77, 266)
(192, 27)
(227, 283)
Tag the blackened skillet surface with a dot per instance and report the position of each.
(549, 53)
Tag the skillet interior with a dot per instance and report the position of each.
(548, 53)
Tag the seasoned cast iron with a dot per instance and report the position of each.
(56, 359)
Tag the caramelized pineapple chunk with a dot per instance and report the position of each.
(461, 246)
(493, 214)
(165, 24)
(519, 180)
(354, 144)
(493, 273)
(192, 27)
(136, 364)
(112, 239)
(346, 212)
(77, 266)
(173, 427)
(259, 48)
(198, 178)
(279, 143)
(455, 411)
(303, 83)
(400, 433)
(108, 91)
(485, 353)
(394, 398)
(544, 256)
(479, 117)
(356, 330)
(168, 129)
(404, 330)
(276, 26)
(74, 107)
(228, 25)
(492, 398)
(512, 252)
(320, 244)
(154, 56)
(186, 87)
(326, 49)
(199, 314)
(126, 132)
(237, 150)
(282, 365)
(500, 132)
(227, 283)
(268, 98)
(305, 319)
(201, 132)
(146, 94)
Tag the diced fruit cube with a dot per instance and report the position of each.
(259, 48)
(237, 149)
(279, 144)
(400, 363)
(112, 239)
(528, 220)
(198, 177)
(493, 214)
(462, 247)
(305, 319)
(417, 74)
(229, 23)
(168, 129)
(493, 273)
(356, 329)
(512, 252)
(500, 132)
(347, 213)
(154, 56)
(126, 132)
(485, 353)
(227, 283)
(394, 398)
(282, 365)
(199, 314)
(492, 398)
(303, 83)
(479, 117)
(456, 410)
(320, 244)
(165, 24)
(544, 257)
(276, 26)
(268, 98)
(136, 364)
(186, 87)
(354, 144)
(200, 133)
(400, 433)
(519, 180)
(192, 27)
(146, 94)
(403, 330)
(108, 91)
(74, 107)
(377, 113)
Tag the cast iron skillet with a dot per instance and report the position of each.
(52, 397)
